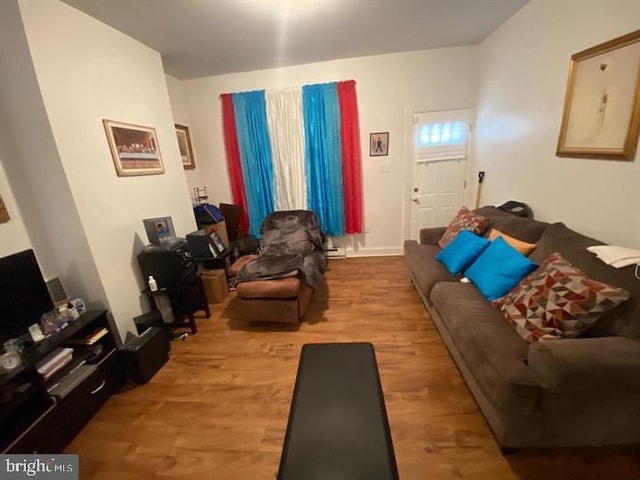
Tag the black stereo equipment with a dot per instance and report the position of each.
(171, 265)
(199, 244)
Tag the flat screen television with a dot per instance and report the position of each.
(23, 294)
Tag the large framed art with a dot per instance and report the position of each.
(602, 103)
(134, 149)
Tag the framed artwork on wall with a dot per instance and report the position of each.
(134, 149)
(378, 144)
(601, 116)
(186, 151)
(4, 214)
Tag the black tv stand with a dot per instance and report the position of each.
(44, 416)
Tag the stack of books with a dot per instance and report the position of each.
(53, 362)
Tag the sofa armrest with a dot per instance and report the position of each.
(430, 236)
(583, 364)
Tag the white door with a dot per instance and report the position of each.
(437, 193)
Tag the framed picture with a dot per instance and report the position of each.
(186, 151)
(378, 144)
(216, 242)
(159, 230)
(134, 149)
(602, 103)
(4, 214)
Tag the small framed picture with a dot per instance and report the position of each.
(159, 230)
(4, 215)
(217, 243)
(186, 150)
(378, 144)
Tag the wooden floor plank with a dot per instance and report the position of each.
(219, 408)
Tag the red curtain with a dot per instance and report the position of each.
(233, 159)
(351, 169)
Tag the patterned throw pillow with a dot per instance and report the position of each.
(464, 220)
(557, 301)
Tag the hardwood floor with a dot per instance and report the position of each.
(219, 408)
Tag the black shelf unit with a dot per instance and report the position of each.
(185, 302)
(31, 419)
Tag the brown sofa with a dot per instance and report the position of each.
(568, 392)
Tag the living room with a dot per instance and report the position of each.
(65, 73)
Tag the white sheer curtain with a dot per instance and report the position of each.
(286, 131)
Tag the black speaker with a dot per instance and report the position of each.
(199, 244)
(146, 354)
(171, 265)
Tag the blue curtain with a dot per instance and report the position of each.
(323, 155)
(255, 153)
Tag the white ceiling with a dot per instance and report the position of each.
(199, 38)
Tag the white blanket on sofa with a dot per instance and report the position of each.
(617, 257)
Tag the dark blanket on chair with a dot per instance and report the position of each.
(292, 245)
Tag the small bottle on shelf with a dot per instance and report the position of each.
(153, 285)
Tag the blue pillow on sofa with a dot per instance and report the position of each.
(460, 252)
(499, 269)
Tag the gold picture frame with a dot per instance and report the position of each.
(4, 214)
(186, 150)
(601, 116)
(134, 149)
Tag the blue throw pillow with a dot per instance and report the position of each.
(462, 251)
(499, 269)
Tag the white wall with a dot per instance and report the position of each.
(181, 116)
(13, 234)
(34, 172)
(523, 74)
(86, 72)
(389, 87)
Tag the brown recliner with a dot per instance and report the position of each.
(277, 284)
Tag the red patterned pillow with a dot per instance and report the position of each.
(557, 301)
(464, 220)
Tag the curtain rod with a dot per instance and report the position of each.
(288, 87)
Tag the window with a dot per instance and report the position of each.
(441, 135)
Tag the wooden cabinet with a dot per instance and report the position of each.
(44, 416)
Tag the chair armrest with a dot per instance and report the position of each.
(582, 364)
(430, 236)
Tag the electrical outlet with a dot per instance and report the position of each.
(367, 228)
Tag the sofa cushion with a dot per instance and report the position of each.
(525, 229)
(623, 320)
(495, 353)
(523, 247)
(279, 288)
(423, 267)
(462, 251)
(558, 301)
(499, 269)
(464, 220)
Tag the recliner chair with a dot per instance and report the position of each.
(277, 284)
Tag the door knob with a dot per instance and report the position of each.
(415, 200)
